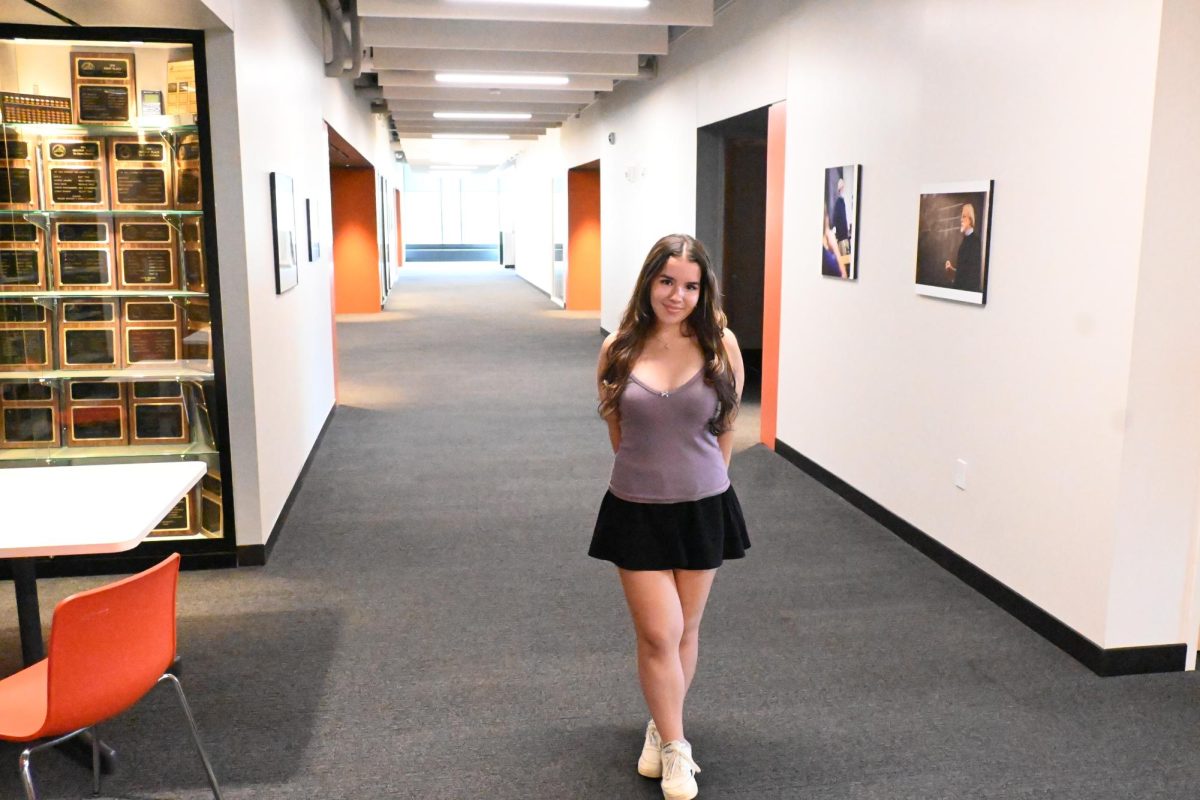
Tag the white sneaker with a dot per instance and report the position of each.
(650, 761)
(679, 771)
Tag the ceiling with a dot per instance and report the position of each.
(586, 48)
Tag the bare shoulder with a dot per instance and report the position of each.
(608, 340)
(731, 343)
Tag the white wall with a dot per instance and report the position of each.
(270, 97)
(1054, 101)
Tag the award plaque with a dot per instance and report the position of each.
(18, 179)
(103, 88)
(96, 414)
(146, 254)
(75, 176)
(87, 332)
(212, 516)
(24, 336)
(28, 415)
(22, 258)
(158, 412)
(194, 277)
(82, 253)
(197, 341)
(188, 196)
(180, 521)
(152, 331)
(140, 174)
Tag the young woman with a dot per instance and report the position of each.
(670, 379)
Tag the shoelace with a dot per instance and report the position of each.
(675, 760)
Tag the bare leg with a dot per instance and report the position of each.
(693, 587)
(658, 619)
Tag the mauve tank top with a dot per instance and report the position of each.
(667, 453)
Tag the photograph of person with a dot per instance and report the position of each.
(953, 226)
(839, 252)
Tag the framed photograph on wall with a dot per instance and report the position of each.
(954, 229)
(839, 235)
(283, 227)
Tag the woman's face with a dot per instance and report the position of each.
(675, 290)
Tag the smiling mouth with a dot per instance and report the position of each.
(674, 308)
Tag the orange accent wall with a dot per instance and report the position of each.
(355, 247)
(583, 240)
(773, 272)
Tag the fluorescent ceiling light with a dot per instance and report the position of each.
(478, 115)
(496, 136)
(459, 167)
(591, 3)
(497, 79)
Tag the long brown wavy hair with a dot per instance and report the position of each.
(706, 324)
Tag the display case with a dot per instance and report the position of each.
(109, 312)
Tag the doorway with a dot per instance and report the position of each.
(731, 220)
(583, 237)
(357, 251)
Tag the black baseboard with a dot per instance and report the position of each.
(1106, 663)
(256, 555)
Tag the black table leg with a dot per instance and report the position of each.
(29, 616)
(33, 650)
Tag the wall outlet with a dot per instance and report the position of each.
(960, 474)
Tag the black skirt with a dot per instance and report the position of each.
(698, 534)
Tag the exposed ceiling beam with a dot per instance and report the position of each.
(617, 65)
(487, 95)
(660, 12)
(411, 78)
(423, 118)
(480, 125)
(574, 37)
(516, 137)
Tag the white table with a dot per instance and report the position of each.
(77, 510)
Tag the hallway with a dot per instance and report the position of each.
(429, 626)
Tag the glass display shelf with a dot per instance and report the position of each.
(156, 452)
(42, 212)
(195, 370)
(51, 294)
(150, 126)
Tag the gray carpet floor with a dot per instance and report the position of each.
(429, 626)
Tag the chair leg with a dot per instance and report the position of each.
(95, 762)
(187, 710)
(25, 762)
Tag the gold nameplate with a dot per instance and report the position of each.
(159, 414)
(18, 178)
(75, 173)
(152, 331)
(140, 174)
(146, 253)
(194, 276)
(103, 88)
(180, 521)
(22, 258)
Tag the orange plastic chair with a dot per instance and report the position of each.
(108, 648)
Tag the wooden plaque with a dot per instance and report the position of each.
(103, 88)
(197, 341)
(18, 173)
(75, 176)
(152, 331)
(25, 342)
(181, 520)
(188, 193)
(82, 250)
(28, 415)
(140, 174)
(146, 254)
(22, 257)
(96, 414)
(159, 415)
(88, 334)
(195, 278)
